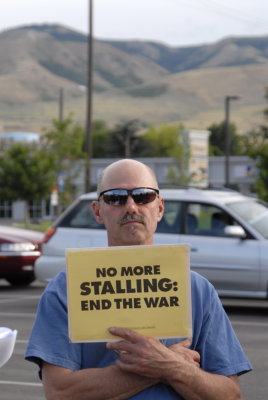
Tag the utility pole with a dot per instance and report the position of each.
(227, 137)
(88, 133)
(61, 103)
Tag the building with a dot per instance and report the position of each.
(243, 173)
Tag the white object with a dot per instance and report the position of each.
(7, 343)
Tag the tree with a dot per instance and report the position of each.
(125, 140)
(257, 144)
(217, 140)
(100, 138)
(163, 140)
(167, 141)
(26, 173)
(65, 142)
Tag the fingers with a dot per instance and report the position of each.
(120, 346)
(132, 342)
(130, 338)
(134, 345)
(182, 349)
(126, 334)
(185, 343)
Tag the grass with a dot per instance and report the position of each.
(42, 227)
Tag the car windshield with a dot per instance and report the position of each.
(254, 213)
(81, 216)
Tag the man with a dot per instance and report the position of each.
(136, 366)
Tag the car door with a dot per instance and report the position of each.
(231, 264)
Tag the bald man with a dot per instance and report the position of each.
(136, 366)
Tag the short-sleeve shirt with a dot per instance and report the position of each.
(213, 337)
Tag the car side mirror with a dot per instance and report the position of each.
(235, 231)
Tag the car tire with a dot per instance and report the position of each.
(22, 280)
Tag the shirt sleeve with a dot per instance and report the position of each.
(215, 340)
(49, 337)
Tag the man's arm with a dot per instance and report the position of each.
(111, 382)
(201, 385)
(148, 357)
(92, 383)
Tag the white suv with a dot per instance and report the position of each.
(227, 231)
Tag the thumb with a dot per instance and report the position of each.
(186, 342)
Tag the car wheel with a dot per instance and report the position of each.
(21, 280)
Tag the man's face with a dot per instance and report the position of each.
(131, 223)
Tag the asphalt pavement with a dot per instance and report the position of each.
(19, 379)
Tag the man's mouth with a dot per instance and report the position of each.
(128, 218)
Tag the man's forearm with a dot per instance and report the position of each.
(108, 383)
(176, 366)
(196, 384)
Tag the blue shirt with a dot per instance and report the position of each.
(213, 337)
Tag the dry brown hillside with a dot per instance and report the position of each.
(145, 80)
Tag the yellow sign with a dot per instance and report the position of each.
(144, 288)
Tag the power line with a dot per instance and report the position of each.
(233, 12)
(221, 9)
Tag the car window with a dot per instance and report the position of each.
(254, 212)
(170, 223)
(205, 219)
(81, 216)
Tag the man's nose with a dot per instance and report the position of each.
(130, 205)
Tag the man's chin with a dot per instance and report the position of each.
(135, 240)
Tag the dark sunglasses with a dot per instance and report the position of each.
(118, 197)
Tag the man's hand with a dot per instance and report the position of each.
(182, 348)
(177, 366)
(148, 356)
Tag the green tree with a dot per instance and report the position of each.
(100, 139)
(163, 140)
(262, 180)
(126, 141)
(217, 140)
(26, 173)
(167, 141)
(65, 142)
(257, 145)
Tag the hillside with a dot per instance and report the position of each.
(132, 79)
(228, 52)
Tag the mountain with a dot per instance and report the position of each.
(132, 79)
(225, 53)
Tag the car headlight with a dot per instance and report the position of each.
(19, 247)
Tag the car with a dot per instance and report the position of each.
(19, 249)
(227, 232)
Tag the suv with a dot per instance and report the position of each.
(227, 232)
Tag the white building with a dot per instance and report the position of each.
(243, 175)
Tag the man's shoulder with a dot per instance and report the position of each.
(59, 279)
(197, 278)
(57, 284)
(201, 286)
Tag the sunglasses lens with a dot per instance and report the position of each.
(118, 197)
(143, 196)
(115, 197)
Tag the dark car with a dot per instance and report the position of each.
(19, 248)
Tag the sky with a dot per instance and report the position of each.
(173, 22)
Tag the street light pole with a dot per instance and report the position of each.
(61, 103)
(88, 133)
(227, 137)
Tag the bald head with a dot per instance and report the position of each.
(126, 173)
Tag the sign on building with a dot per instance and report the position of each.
(197, 142)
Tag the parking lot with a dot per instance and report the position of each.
(19, 379)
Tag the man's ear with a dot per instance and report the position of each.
(161, 209)
(96, 211)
